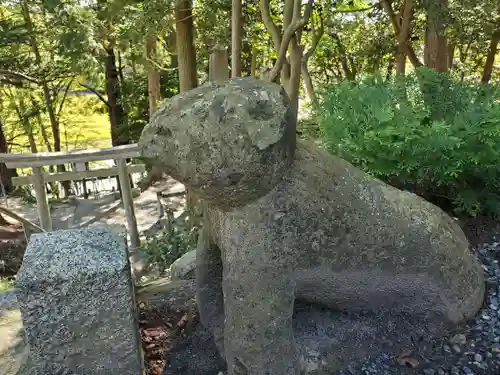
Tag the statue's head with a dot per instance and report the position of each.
(229, 142)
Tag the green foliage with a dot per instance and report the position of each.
(308, 128)
(170, 243)
(430, 134)
(135, 98)
(5, 285)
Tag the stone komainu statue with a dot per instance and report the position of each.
(286, 222)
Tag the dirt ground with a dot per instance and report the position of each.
(161, 328)
(107, 209)
(12, 246)
(160, 325)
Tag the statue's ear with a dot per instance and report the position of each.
(262, 135)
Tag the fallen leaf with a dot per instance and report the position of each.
(406, 353)
(408, 362)
(182, 322)
(154, 332)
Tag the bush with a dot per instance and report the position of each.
(308, 128)
(429, 133)
(171, 242)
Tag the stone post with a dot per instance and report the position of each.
(218, 65)
(77, 303)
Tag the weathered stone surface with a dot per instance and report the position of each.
(138, 259)
(77, 303)
(326, 339)
(252, 118)
(287, 225)
(184, 267)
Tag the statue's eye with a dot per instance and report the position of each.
(234, 178)
(166, 132)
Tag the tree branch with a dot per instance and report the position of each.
(270, 25)
(288, 13)
(12, 83)
(19, 76)
(355, 10)
(297, 9)
(287, 37)
(65, 95)
(94, 91)
(412, 56)
(307, 16)
(344, 60)
(404, 34)
(315, 39)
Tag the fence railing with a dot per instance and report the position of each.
(218, 71)
(39, 178)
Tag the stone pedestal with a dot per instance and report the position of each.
(77, 303)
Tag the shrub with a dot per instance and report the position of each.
(171, 242)
(308, 128)
(429, 133)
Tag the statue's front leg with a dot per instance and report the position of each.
(209, 286)
(258, 303)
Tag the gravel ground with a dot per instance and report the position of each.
(8, 301)
(473, 349)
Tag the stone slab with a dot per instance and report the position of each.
(77, 303)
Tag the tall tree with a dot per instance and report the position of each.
(117, 115)
(436, 42)
(236, 37)
(490, 57)
(5, 173)
(286, 45)
(409, 51)
(317, 31)
(404, 34)
(153, 73)
(186, 52)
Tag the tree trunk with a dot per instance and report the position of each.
(21, 111)
(390, 69)
(253, 63)
(45, 136)
(5, 173)
(436, 43)
(490, 58)
(153, 75)
(410, 52)
(188, 76)
(287, 40)
(117, 117)
(308, 83)
(293, 85)
(186, 53)
(451, 55)
(236, 37)
(344, 61)
(46, 140)
(49, 101)
(404, 34)
(316, 37)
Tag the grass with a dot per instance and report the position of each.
(83, 121)
(5, 285)
(84, 124)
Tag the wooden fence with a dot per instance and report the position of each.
(219, 71)
(38, 178)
